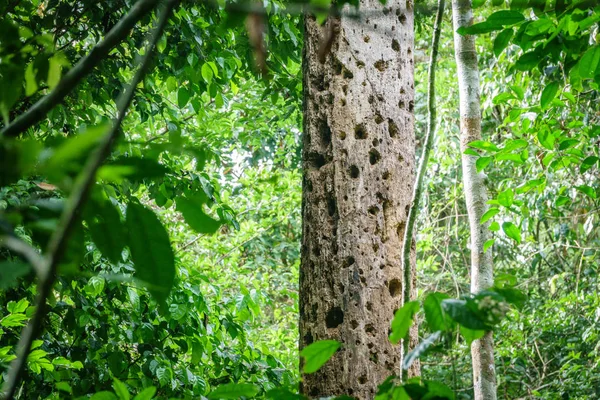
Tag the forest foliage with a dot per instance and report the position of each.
(152, 192)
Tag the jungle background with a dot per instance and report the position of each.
(211, 145)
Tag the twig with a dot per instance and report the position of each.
(419, 186)
(71, 213)
(17, 245)
(70, 80)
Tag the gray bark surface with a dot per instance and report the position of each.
(482, 350)
(359, 167)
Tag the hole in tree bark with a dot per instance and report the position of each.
(354, 171)
(373, 210)
(354, 324)
(395, 287)
(362, 379)
(360, 131)
(400, 229)
(308, 338)
(393, 128)
(334, 318)
(325, 133)
(316, 160)
(331, 206)
(395, 45)
(374, 156)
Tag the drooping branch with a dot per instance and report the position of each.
(70, 80)
(75, 202)
(18, 246)
(419, 185)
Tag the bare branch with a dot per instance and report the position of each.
(69, 216)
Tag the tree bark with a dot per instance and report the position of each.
(482, 350)
(359, 167)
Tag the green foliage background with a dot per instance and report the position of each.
(203, 189)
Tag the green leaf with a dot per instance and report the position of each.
(588, 163)
(150, 250)
(492, 212)
(459, 312)
(321, 4)
(587, 190)
(483, 162)
(494, 22)
(548, 94)
(512, 231)
(506, 198)
(546, 139)
(483, 145)
(191, 209)
(234, 391)
(488, 243)
(588, 64)
(10, 272)
(506, 17)
(420, 349)
(318, 353)
(132, 168)
(515, 144)
(403, 319)
(183, 96)
(104, 395)
(31, 85)
(146, 394)
(502, 40)
(434, 313)
(121, 389)
(108, 232)
(70, 155)
(207, 73)
(527, 61)
(471, 334)
(283, 394)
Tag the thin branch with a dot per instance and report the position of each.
(70, 80)
(71, 213)
(18, 246)
(419, 186)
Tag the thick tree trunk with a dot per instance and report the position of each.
(482, 350)
(358, 160)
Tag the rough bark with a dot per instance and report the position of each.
(358, 160)
(482, 350)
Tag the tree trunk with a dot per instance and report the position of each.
(482, 350)
(358, 160)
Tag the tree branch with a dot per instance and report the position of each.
(17, 245)
(70, 215)
(419, 186)
(116, 35)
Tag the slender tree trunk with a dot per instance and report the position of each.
(482, 350)
(409, 234)
(358, 161)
